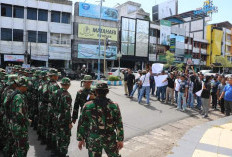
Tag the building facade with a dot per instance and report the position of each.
(85, 45)
(36, 32)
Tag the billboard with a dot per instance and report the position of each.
(14, 58)
(93, 11)
(165, 32)
(91, 52)
(167, 9)
(92, 32)
(177, 44)
(142, 38)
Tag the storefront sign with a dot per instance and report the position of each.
(39, 58)
(91, 52)
(93, 11)
(165, 32)
(14, 58)
(92, 32)
(179, 59)
(207, 8)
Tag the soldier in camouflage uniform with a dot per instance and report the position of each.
(101, 119)
(6, 110)
(51, 87)
(42, 107)
(2, 87)
(19, 121)
(82, 96)
(64, 104)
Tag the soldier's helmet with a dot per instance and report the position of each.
(22, 81)
(65, 81)
(87, 78)
(53, 72)
(101, 85)
(37, 73)
(12, 79)
(44, 73)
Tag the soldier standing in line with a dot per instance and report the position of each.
(2, 87)
(42, 107)
(64, 104)
(52, 110)
(19, 121)
(101, 119)
(6, 98)
(82, 96)
(34, 106)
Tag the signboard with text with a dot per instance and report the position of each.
(165, 32)
(14, 58)
(92, 32)
(93, 11)
(92, 51)
(207, 8)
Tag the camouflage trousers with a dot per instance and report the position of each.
(42, 119)
(21, 143)
(63, 140)
(52, 125)
(96, 143)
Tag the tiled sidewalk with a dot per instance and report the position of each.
(212, 139)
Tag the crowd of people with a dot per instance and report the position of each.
(182, 89)
(34, 98)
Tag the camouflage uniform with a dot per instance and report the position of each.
(19, 121)
(2, 87)
(102, 120)
(52, 86)
(81, 98)
(6, 110)
(64, 105)
(34, 111)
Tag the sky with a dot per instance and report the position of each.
(224, 6)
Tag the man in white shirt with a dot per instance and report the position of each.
(145, 82)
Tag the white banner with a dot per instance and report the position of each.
(14, 58)
(157, 68)
(159, 80)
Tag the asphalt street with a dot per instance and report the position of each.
(138, 119)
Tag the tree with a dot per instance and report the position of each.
(223, 61)
(170, 59)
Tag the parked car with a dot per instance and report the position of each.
(116, 71)
(65, 72)
(206, 71)
(228, 75)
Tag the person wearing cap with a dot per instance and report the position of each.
(52, 86)
(19, 120)
(145, 83)
(64, 104)
(170, 88)
(137, 84)
(101, 119)
(5, 99)
(82, 96)
(182, 94)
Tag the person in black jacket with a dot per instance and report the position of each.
(205, 95)
(130, 81)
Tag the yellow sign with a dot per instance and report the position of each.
(92, 32)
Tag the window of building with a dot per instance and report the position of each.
(66, 18)
(42, 37)
(55, 16)
(55, 38)
(31, 14)
(18, 12)
(17, 35)
(65, 39)
(6, 34)
(6, 10)
(32, 36)
(43, 15)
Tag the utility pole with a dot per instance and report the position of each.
(99, 44)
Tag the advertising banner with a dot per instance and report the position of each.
(142, 38)
(167, 9)
(92, 32)
(14, 58)
(39, 58)
(91, 52)
(93, 11)
(165, 32)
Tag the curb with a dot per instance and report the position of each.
(114, 83)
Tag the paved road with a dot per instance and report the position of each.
(138, 119)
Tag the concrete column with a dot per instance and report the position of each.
(46, 63)
(92, 65)
(66, 64)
